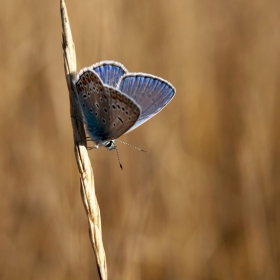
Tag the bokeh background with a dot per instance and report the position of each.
(204, 203)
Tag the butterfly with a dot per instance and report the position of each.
(114, 101)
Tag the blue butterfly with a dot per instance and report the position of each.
(114, 101)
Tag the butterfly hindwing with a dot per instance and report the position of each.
(123, 113)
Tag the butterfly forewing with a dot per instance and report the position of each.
(151, 93)
(89, 91)
(108, 113)
(110, 72)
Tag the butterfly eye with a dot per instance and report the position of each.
(109, 144)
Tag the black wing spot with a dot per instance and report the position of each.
(113, 106)
(104, 121)
(120, 119)
(96, 114)
(91, 110)
(119, 106)
(129, 118)
(101, 99)
(84, 96)
(84, 105)
(88, 93)
(114, 124)
(97, 105)
(105, 110)
(123, 108)
(126, 112)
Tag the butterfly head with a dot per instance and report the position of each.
(109, 145)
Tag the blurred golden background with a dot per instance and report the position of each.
(205, 202)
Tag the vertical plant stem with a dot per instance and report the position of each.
(83, 161)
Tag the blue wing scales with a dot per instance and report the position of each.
(110, 72)
(150, 92)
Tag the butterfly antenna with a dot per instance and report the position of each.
(139, 149)
(119, 158)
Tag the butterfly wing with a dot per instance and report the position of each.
(122, 114)
(110, 72)
(108, 113)
(151, 93)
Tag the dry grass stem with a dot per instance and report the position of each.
(83, 161)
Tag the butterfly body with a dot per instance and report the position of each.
(114, 101)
